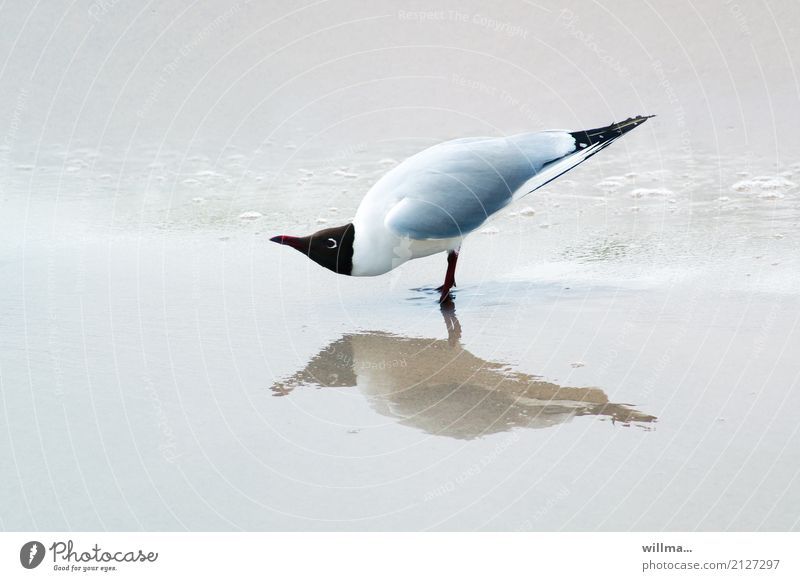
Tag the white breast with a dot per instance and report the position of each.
(456, 185)
(377, 250)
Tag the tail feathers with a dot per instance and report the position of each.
(601, 135)
(587, 144)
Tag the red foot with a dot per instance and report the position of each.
(449, 278)
(445, 297)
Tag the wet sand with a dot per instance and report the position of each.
(439, 387)
(621, 350)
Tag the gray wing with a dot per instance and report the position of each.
(451, 189)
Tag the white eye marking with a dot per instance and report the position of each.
(331, 243)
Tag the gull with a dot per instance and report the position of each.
(431, 201)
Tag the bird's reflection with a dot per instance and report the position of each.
(441, 388)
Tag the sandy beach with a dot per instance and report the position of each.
(621, 352)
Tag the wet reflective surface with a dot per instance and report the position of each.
(439, 387)
(627, 350)
(616, 369)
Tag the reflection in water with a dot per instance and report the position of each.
(441, 388)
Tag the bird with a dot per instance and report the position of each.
(431, 201)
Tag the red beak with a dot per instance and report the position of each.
(292, 241)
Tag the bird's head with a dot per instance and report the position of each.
(331, 248)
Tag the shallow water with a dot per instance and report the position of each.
(630, 366)
(620, 354)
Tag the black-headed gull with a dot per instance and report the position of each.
(431, 201)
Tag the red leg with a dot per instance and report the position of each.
(450, 277)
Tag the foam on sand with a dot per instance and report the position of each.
(764, 184)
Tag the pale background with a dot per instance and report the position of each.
(144, 322)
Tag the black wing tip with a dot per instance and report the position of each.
(609, 133)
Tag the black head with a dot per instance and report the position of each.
(331, 248)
